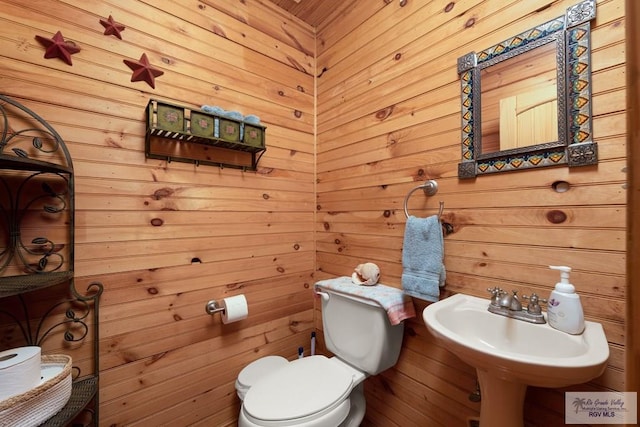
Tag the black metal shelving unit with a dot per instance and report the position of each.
(37, 181)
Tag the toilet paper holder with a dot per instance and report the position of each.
(212, 307)
(232, 309)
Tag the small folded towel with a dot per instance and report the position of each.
(213, 109)
(422, 258)
(234, 115)
(252, 119)
(398, 305)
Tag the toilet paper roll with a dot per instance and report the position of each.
(235, 308)
(19, 370)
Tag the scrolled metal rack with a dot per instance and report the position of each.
(36, 178)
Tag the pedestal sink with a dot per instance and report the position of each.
(511, 354)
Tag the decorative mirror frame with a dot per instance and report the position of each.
(572, 34)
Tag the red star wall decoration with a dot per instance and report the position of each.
(57, 47)
(112, 28)
(143, 71)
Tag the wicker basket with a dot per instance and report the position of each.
(37, 405)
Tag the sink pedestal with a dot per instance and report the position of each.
(502, 401)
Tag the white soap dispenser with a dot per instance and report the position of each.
(564, 310)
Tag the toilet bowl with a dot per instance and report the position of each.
(314, 391)
(317, 391)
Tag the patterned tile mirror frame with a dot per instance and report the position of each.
(574, 147)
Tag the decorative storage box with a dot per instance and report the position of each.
(229, 130)
(253, 135)
(173, 123)
(170, 117)
(203, 124)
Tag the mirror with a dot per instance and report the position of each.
(519, 101)
(526, 102)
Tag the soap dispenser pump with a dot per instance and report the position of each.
(564, 310)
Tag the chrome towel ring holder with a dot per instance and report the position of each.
(430, 188)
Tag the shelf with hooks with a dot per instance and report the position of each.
(176, 133)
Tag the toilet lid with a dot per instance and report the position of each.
(302, 388)
(257, 369)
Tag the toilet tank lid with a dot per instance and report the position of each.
(257, 369)
(397, 304)
(302, 388)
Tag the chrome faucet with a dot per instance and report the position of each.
(509, 305)
(510, 302)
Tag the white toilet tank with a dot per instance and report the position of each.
(358, 332)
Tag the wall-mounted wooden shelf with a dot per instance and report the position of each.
(177, 133)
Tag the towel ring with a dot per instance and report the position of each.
(430, 188)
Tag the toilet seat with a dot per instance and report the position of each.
(305, 390)
(255, 370)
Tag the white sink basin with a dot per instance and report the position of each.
(511, 354)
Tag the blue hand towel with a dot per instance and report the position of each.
(423, 271)
(252, 119)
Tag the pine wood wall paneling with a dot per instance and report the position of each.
(394, 92)
(142, 225)
(123, 133)
(632, 10)
(469, 255)
(408, 54)
(180, 251)
(124, 338)
(388, 119)
(271, 21)
(345, 18)
(362, 79)
(181, 373)
(317, 13)
(128, 324)
(539, 189)
(419, 63)
(230, 82)
(361, 165)
(291, 49)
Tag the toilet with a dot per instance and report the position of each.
(317, 391)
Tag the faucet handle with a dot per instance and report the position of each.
(534, 298)
(496, 293)
(534, 303)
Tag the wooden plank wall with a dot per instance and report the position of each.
(632, 14)
(389, 118)
(166, 238)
